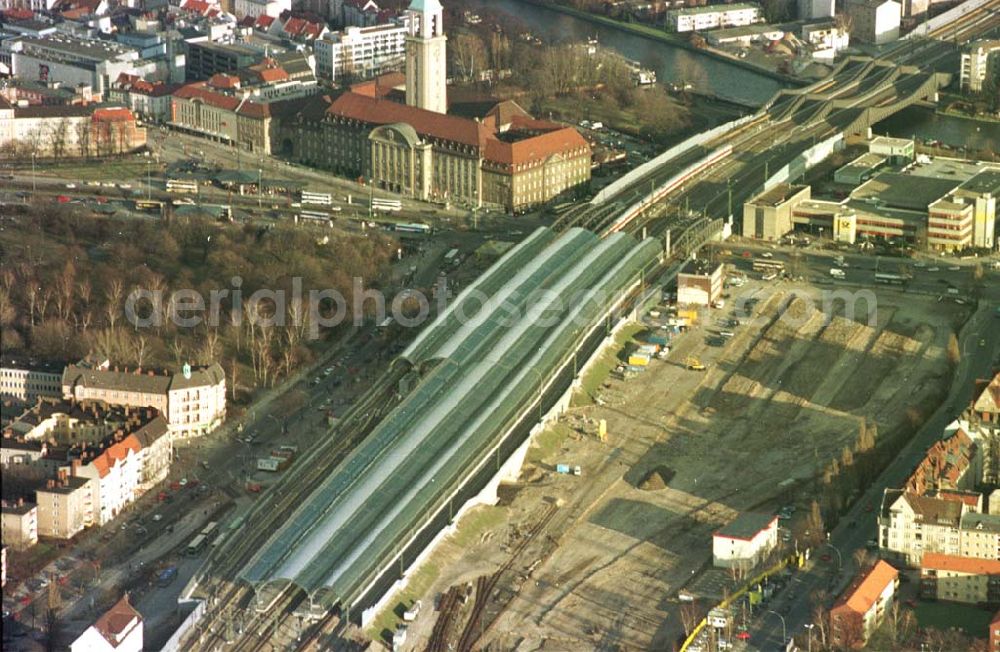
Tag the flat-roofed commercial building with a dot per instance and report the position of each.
(746, 541)
(983, 192)
(360, 52)
(700, 283)
(768, 216)
(860, 169)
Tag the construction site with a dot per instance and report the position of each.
(605, 526)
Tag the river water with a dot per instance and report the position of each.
(707, 74)
(672, 64)
(924, 123)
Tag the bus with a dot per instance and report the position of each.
(387, 205)
(413, 228)
(237, 523)
(320, 198)
(315, 217)
(197, 545)
(189, 186)
(451, 258)
(890, 279)
(218, 539)
(149, 205)
(209, 529)
(768, 265)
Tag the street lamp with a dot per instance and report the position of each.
(809, 640)
(33, 186)
(260, 188)
(784, 636)
(840, 560)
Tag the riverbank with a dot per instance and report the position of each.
(654, 34)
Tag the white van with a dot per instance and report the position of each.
(837, 273)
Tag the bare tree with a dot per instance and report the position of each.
(689, 617)
(113, 295)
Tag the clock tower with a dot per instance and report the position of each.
(425, 57)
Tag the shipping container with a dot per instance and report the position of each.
(638, 360)
(660, 340)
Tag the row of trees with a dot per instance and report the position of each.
(66, 288)
(81, 137)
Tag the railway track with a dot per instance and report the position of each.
(487, 584)
(268, 514)
(450, 604)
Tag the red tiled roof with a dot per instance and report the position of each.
(17, 14)
(222, 80)
(863, 595)
(381, 85)
(535, 148)
(115, 453)
(272, 74)
(114, 624)
(199, 90)
(115, 114)
(437, 125)
(263, 22)
(954, 563)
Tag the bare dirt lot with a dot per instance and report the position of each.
(686, 451)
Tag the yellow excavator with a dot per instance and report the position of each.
(694, 364)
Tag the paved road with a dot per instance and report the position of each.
(977, 362)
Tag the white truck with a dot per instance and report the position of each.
(836, 272)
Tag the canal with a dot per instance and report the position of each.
(672, 64)
(925, 124)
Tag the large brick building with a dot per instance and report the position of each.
(507, 160)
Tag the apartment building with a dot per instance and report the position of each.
(746, 541)
(875, 21)
(911, 525)
(360, 52)
(979, 536)
(986, 406)
(960, 579)
(150, 100)
(28, 380)
(65, 506)
(949, 464)
(192, 401)
(116, 472)
(19, 523)
(862, 607)
(697, 19)
(980, 62)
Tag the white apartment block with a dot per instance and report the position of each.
(980, 60)
(360, 51)
(256, 8)
(979, 536)
(26, 381)
(910, 525)
(875, 21)
(116, 473)
(696, 19)
(19, 524)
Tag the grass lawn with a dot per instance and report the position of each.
(945, 615)
(391, 617)
(470, 527)
(547, 442)
(599, 370)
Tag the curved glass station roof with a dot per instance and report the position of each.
(496, 345)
